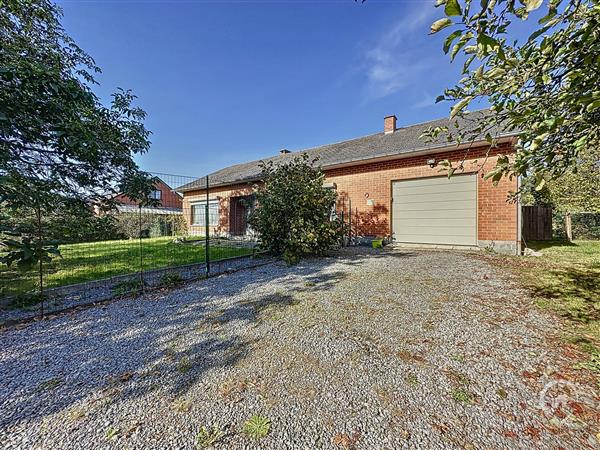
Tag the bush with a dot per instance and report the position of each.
(134, 225)
(68, 222)
(293, 215)
(585, 226)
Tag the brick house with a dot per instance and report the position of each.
(395, 186)
(169, 201)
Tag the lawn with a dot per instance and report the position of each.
(97, 260)
(566, 279)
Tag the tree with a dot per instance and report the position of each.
(57, 140)
(293, 216)
(577, 190)
(545, 88)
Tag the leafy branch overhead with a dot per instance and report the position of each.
(544, 87)
(61, 148)
(52, 125)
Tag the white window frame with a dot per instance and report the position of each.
(156, 194)
(202, 204)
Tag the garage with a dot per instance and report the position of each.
(438, 210)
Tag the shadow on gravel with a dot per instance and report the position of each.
(167, 340)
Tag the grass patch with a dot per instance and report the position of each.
(127, 287)
(112, 433)
(50, 384)
(207, 437)
(461, 396)
(566, 279)
(170, 279)
(412, 379)
(184, 365)
(97, 260)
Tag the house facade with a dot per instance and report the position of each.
(168, 201)
(395, 186)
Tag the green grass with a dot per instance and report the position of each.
(97, 260)
(566, 279)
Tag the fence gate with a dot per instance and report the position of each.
(537, 223)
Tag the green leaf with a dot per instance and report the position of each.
(540, 185)
(450, 39)
(593, 106)
(532, 5)
(456, 109)
(440, 25)
(486, 43)
(468, 63)
(452, 8)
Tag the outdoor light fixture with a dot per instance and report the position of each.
(431, 162)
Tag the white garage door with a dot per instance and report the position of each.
(435, 210)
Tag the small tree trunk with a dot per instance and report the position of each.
(568, 227)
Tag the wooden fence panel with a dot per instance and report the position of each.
(537, 223)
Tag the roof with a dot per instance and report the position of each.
(403, 141)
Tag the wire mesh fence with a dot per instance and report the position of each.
(132, 247)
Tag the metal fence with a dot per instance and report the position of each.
(132, 248)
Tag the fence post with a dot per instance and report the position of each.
(568, 227)
(206, 232)
(343, 223)
(349, 221)
(141, 247)
(38, 214)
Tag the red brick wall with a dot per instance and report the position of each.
(168, 198)
(223, 195)
(497, 218)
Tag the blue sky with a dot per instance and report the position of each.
(229, 81)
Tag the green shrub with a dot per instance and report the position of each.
(134, 225)
(170, 279)
(127, 287)
(293, 216)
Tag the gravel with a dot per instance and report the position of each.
(368, 350)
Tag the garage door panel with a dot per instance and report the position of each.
(434, 189)
(446, 205)
(436, 181)
(435, 239)
(464, 222)
(435, 210)
(438, 214)
(435, 231)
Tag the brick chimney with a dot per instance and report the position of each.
(389, 124)
(284, 151)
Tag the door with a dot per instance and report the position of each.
(438, 210)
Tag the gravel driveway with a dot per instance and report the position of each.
(363, 350)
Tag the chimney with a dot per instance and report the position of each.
(389, 124)
(284, 151)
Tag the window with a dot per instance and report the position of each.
(198, 213)
(155, 195)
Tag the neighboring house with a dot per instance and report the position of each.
(169, 201)
(395, 185)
